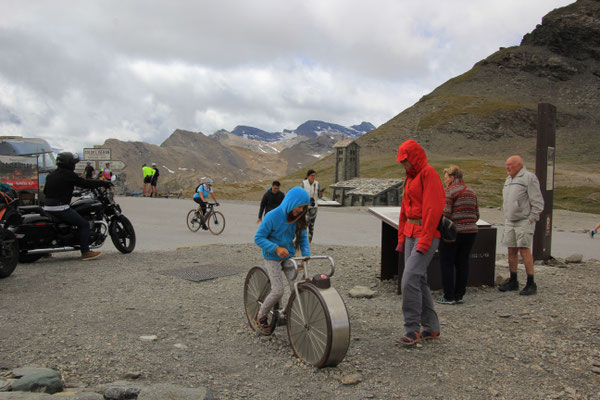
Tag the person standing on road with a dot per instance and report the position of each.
(281, 233)
(201, 195)
(418, 238)
(147, 173)
(154, 181)
(522, 204)
(105, 173)
(314, 191)
(271, 199)
(89, 171)
(595, 230)
(462, 209)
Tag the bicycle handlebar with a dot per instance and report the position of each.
(305, 259)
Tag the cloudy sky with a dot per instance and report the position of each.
(78, 72)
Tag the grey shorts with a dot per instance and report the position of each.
(518, 233)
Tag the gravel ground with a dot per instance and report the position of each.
(86, 320)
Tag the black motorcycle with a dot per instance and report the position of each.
(9, 246)
(39, 233)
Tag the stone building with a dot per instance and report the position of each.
(368, 192)
(347, 161)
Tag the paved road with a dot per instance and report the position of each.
(160, 225)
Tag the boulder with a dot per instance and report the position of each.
(44, 380)
(171, 392)
(121, 391)
(358, 292)
(574, 259)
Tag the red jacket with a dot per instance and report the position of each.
(423, 198)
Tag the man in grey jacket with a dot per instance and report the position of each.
(523, 203)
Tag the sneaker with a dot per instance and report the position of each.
(509, 286)
(459, 301)
(90, 255)
(444, 300)
(528, 290)
(410, 338)
(592, 233)
(204, 227)
(263, 324)
(427, 335)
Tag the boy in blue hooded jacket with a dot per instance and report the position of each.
(281, 233)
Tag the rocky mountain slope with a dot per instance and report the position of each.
(309, 129)
(186, 157)
(491, 110)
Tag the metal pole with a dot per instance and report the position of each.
(544, 169)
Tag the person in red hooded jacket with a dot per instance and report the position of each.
(418, 238)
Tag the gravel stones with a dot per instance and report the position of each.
(51, 315)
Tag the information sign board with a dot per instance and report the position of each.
(96, 154)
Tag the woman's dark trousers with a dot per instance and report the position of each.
(454, 261)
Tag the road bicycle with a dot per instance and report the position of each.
(215, 220)
(316, 317)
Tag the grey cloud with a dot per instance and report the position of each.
(81, 72)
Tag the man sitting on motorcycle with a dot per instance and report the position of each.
(58, 192)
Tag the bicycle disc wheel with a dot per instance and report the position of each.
(256, 287)
(318, 326)
(216, 223)
(193, 222)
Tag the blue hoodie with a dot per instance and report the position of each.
(275, 230)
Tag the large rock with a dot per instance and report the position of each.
(25, 396)
(574, 259)
(121, 391)
(171, 392)
(359, 292)
(44, 380)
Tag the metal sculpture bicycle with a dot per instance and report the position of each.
(317, 320)
(215, 220)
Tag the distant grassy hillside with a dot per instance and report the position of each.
(486, 177)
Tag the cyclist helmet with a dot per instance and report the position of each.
(208, 181)
(67, 160)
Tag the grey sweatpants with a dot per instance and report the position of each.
(274, 269)
(417, 303)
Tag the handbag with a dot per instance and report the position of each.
(447, 230)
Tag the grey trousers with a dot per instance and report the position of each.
(274, 270)
(417, 303)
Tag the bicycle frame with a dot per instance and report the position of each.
(304, 269)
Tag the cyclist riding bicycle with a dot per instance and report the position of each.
(200, 196)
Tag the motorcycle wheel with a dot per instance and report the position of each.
(122, 234)
(29, 258)
(9, 253)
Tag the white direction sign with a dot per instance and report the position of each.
(114, 164)
(96, 154)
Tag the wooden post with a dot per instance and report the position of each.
(544, 169)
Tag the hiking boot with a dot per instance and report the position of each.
(444, 300)
(427, 335)
(509, 286)
(529, 289)
(409, 338)
(90, 255)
